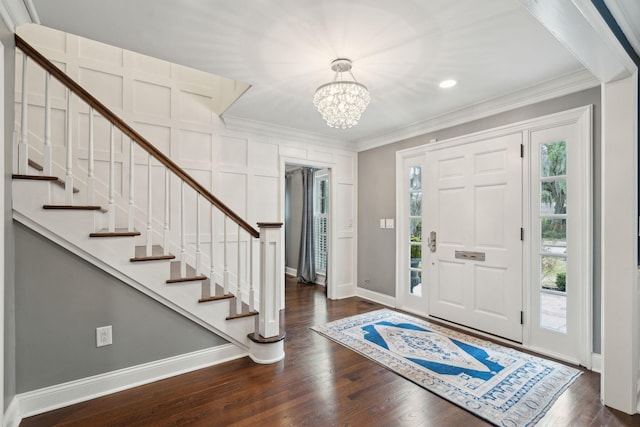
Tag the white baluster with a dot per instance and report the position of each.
(212, 267)
(251, 289)
(225, 272)
(112, 180)
(183, 237)
(149, 245)
(46, 151)
(198, 252)
(132, 175)
(239, 276)
(23, 148)
(165, 239)
(68, 183)
(91, 180)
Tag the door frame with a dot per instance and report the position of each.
(583, 116)
(332, 236)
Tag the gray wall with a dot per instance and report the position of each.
(61, 300)
(6, 37)
(377, 196)
(293, 218)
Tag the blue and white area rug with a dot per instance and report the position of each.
(502, 385)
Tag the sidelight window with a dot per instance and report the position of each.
(415, 230)
(553, 236)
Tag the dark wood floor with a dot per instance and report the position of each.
(320, 383)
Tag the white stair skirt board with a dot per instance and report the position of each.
(11, 416)
(374, 296)
(61, 395)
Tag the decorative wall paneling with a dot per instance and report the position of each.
(171, 106)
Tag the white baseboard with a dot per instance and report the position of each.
(383, 299)
(61, 395)
(11, 415)
(596, 362)
(291, 271)
(320, 280)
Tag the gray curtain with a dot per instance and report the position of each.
(306, 260)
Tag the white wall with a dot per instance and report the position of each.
(241, 163)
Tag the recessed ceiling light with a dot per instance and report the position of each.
(446, 84)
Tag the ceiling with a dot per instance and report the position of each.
(401, 50)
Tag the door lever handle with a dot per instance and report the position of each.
(432, 241)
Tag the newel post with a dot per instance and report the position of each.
(267, 344)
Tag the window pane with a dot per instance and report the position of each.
(553, 159)
(553, 273)
(415, 204)
(553, 312)
(320, 242)
(553, 197)
(416, 255)
(554, 235)
(415, 283)
(415, 229)
(415, 178)
(324, 199)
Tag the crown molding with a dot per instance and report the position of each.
(627, 23)
(565, 85)
(17, 12)
(570, 83)
(239, 124)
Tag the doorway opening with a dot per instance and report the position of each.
(306, 223)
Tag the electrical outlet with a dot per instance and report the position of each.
(104, 336)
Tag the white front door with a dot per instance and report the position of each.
(473, 204)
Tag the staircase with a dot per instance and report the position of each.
(226, 280)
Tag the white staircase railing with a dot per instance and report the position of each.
(135, 211)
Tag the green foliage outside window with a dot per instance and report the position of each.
(561, 281)
(416, 250)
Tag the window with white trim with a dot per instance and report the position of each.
(320, 215)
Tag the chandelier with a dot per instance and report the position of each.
(341, 102)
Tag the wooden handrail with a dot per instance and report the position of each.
(30, 51)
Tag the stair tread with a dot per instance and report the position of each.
(73, 207)
(186, 279)
(152, 258)
(35, 165)
(34, 177)
(119, 232)
(242, 315)
(216, 297)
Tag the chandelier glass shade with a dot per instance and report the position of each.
(341, 102)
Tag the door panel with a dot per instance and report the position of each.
(477, 191)
(451, 284)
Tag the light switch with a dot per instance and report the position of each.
(383, 223)
(390, 223)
